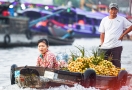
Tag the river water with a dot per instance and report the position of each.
(28, 55)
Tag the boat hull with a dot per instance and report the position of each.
(85, 79)
(59, 41)
(78, 33)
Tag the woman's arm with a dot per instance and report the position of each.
(38, 62)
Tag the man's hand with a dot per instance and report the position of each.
(120, 38)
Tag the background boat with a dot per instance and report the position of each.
(22, 41)
(15, 31)
(83, 23)
(59, 41)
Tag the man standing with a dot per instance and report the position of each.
(112, 30)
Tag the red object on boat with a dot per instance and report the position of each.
(5, 13)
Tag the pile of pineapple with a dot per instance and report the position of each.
(97, 63)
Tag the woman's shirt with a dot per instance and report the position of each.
(47, 60)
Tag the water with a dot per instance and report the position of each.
(28, 56)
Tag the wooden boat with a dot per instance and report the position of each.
(59, 41)
(14, 31)
(40, 77)
(33, 42)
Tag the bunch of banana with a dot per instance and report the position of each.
(79, 65)
(105, 70)
(105, 67)
(101, 67)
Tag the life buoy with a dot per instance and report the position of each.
(121, 79)
(7, 39)
(12, 74)
(28, 34)
(89, 78)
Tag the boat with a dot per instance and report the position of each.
(83, 23)
(40, 78)
(21, 35)
(59, 40)
(93, 71)
(22, 40)
(72, 20)
(15, 31)
(63, 21)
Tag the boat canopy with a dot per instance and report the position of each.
(96, 15)
(36, 10)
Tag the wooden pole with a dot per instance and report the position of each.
(130, 6)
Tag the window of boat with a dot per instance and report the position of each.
(99, 21)
(96, 21)
(56, 18)
(89, 21)
(66, 17)
(81, 19)
(32, 15)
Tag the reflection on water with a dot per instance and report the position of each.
(28, 55)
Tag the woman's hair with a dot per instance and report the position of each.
(44, 40)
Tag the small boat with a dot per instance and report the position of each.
(33, 42)
(59, 40)
(40, 78)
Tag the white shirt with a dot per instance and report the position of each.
(113, 28)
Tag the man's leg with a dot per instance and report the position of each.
(116, 53)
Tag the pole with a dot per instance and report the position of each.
(130, 6)
(43, 18)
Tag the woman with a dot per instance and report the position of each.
(46, 58)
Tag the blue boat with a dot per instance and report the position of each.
(83, 23)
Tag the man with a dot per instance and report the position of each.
(112, 30)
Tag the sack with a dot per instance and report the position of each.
(28, 78)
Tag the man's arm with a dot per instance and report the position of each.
(125, 32)
(102, 35)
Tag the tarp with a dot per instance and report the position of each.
(7, 0)
(37, 10)
(96, 15)
(44, 2)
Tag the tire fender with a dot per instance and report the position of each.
(7, 39)
(28, 34)
(89, 78)
(12, 74)
(121, 78)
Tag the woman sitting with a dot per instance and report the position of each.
(46, 57)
